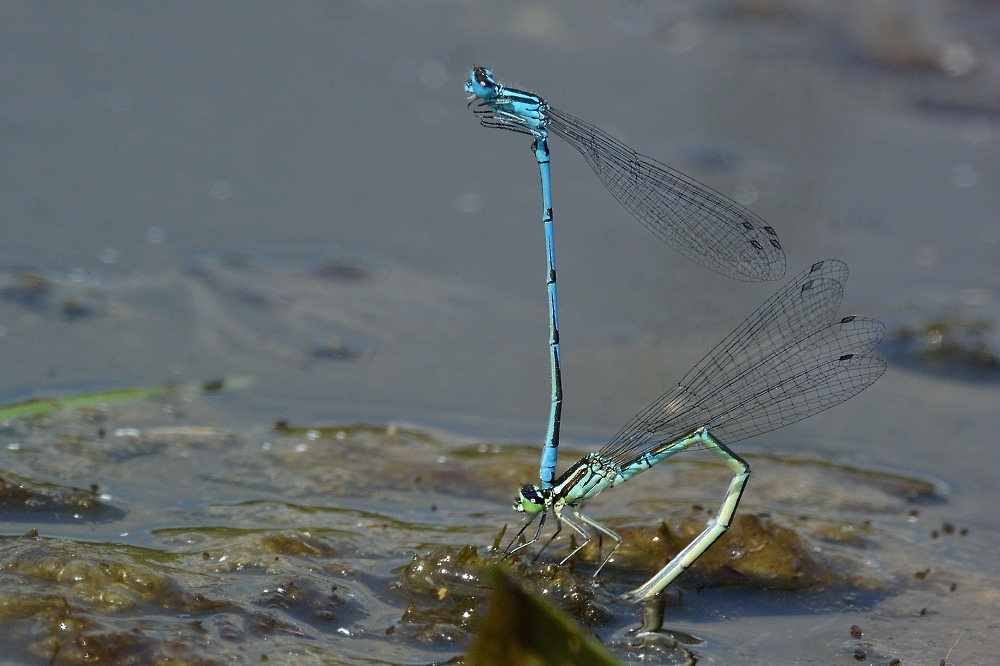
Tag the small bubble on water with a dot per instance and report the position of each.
(964, 175)
(154, 235)
(266, 446)
(687, 35)
(468, 202)
(312, 435)
(220, 190)
(433, 74)
(77, 275)
(13, 446)
(302, 447)
(958, 59)
(94, 279)
(745, 194)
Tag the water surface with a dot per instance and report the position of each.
(298, 197)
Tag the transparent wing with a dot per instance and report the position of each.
(694, 219)
(786, 362)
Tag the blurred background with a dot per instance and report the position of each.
(295, 194)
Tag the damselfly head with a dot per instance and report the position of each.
(481, 83)
(531, 499)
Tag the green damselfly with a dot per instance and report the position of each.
(790, 359)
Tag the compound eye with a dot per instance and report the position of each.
(483, 77)
(532, 494)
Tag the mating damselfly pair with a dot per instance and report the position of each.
(790, 359)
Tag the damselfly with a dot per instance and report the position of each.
(691, 217)
(789, 360)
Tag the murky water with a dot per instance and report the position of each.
(297, 201)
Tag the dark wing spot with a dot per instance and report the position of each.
(846, 356)
(771, 231)
(815, 267)
(807, 286)
(747, 226)
(847, 319)
(757, 245)
(775, 244)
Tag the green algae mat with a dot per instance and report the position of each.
(137, 530)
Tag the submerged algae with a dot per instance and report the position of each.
(951, 347)
(49, 502)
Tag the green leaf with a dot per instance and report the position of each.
(523, 629)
